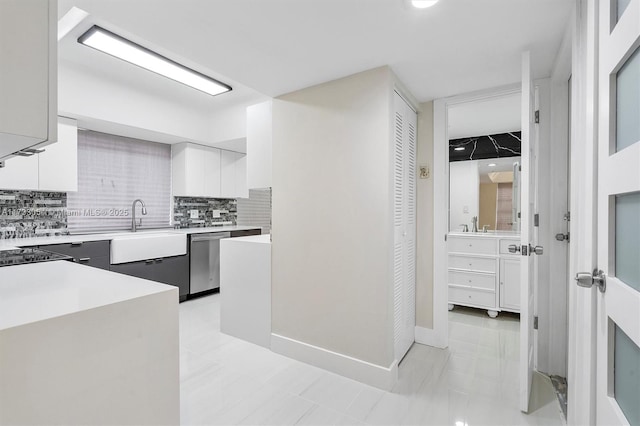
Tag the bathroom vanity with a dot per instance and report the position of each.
(482, 272)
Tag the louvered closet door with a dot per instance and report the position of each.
(404, 218)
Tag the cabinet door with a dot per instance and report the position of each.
(173, 271)
(228, 174)
(28, 87)
(142, 269)
(58, 164)
(242, 190)
(259, 137)
(211, 172)
(510, 284)
(20, 173)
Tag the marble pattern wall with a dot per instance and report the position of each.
(193, 212)
(26, 214)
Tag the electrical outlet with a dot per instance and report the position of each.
(425, 173)
(215, 213)
(193, 214)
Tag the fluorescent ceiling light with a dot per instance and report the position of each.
(423, 4)
(491, 164)
(114, 45)
(459, 148)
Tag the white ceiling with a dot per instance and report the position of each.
(486, 117)
(278, 46)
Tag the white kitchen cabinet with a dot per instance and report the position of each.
(259, 142)
(28, 66)
(195, 170)
(55, 169)
(233, 179)
(510, 284)
(58, 165)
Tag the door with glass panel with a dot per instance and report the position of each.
(618, 322)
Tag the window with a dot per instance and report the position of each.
(112, 172)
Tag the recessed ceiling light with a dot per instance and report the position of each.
(459, 148)
(423, 4)
(491, 164)
(114, 45)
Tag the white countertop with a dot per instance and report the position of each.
(488, 234)
(259, 239)
(40, 291)
(8, 244)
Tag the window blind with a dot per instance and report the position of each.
(112, 172)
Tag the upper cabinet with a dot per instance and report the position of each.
(202, 171)
(28, 74)
(259, 139)
(55, 169)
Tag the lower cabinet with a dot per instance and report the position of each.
(510, 284)
(90, 253)
(246, 233)
(167, 270)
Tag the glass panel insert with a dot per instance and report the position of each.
(628, 239)
(628, 103)
(621, 6)
(626, 375)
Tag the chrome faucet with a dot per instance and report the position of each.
(474, 221)
(133, 213)
(465, 228)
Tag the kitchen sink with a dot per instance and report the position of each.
(147, 245)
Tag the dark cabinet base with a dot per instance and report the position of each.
(168, 270)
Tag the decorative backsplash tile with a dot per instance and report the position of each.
(192, 212)
(256, 210)
(32, 213)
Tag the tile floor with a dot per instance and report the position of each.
(227, 381)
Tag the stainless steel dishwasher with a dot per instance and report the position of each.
(205, 261)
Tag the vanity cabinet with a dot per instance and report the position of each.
(473, 273)
(483, 274)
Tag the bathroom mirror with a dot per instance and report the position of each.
(488, 189)
(484, 164)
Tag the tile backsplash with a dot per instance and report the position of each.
(32, 213)
(192, 212)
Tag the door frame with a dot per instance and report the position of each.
(581, 374)
(440, 336)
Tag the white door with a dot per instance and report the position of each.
(527, 234)
(618, 307)
(404, 280)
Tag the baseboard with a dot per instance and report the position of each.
(429, 337)
(353, 368)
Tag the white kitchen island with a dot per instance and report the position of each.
(81, 345)
(245, 288)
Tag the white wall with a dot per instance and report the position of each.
(424, 234)
(104, 105)
(464, 193)
(332, 205)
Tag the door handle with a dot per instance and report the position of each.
(562, 237)
(538, 250)
(587, 280)
(514, 248)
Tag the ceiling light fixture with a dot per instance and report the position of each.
(459, 148)
(491, 164)
(114, 45)
(423, 4)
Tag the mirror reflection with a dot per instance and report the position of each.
(484, 165)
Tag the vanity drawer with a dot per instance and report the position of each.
(469, 296)
(470, 279)
(504, 246)
(472, 245)
(481, 264)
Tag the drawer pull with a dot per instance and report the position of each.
(84, 259)
(148, 262)
(76, 244)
